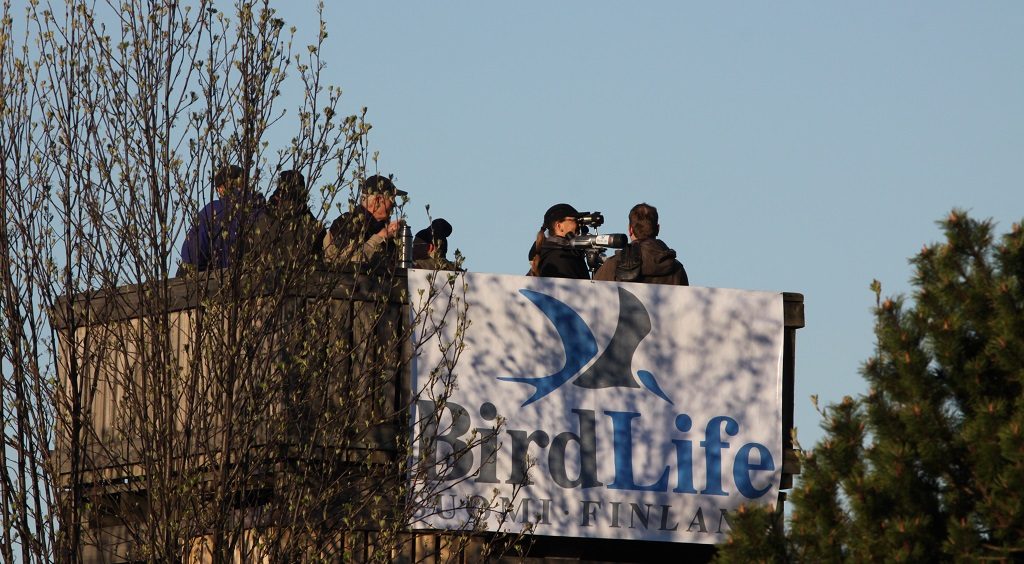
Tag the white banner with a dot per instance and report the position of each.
(595, 409)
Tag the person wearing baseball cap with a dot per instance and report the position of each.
(366, 233)
(551, 254)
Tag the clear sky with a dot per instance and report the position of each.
(791, 146)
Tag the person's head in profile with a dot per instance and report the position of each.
(228, 180)
(378, 195)
(551, 254)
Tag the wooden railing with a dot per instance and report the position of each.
(184, 355)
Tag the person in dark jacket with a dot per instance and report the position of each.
(647, 259)
(366, 234)
(430, 246)
(289, 232)
(551, 254)
(220, 233)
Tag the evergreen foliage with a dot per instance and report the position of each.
(929, 465)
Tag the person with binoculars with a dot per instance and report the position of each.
(552, 254)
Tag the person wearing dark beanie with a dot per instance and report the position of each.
(430, 246)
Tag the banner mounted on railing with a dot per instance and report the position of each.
(594, 409)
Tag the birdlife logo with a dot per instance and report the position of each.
(592, 409)
(613, 369)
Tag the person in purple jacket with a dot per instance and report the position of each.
(217, 238)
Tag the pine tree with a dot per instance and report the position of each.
(929, 464)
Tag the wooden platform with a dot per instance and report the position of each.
(240, 393)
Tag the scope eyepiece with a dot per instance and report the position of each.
(593, 219)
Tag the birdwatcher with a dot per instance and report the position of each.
(430, 246)
(647, 259)
(218, 237)
(290, 234)
(367, 233)
(551, 255)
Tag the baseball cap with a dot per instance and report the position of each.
(558, 212)
(378, 184)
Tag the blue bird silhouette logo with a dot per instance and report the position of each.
(613, 369)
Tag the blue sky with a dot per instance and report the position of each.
(806, 147)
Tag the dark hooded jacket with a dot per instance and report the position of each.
(290, 235)
(559, 260)
(658, 265)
